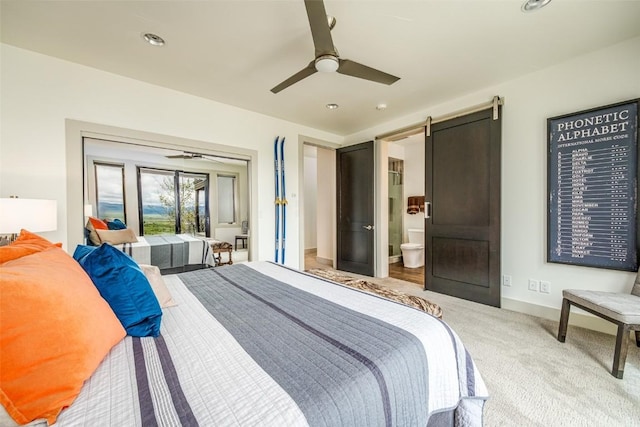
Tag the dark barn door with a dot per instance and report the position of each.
(462, 233)
(355, 205)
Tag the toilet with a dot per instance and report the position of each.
(413, 252)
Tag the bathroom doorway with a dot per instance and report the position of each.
(405, 189)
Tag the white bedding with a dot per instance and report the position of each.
(198, 250)
(225, 386)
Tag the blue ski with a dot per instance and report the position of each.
(277, 200)
(283, 200)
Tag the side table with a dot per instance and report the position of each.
(218, 248)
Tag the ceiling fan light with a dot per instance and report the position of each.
(531, 5)
(153, 39)
(327, 64)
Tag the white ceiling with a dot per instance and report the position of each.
(234, 52)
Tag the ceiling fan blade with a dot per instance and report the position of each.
(211, 159)
(185, 155)
(305, 72)
(320, 30)
(354, 69)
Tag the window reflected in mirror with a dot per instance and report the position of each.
(110, 191)
(226, 199)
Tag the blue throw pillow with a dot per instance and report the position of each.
(124, 286)
(82, 251)
(116, 224)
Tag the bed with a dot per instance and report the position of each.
(259, 343)
(169, 251)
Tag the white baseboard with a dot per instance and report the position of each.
(577, 317)
(310, 251)
(324, 261)
(395, 258)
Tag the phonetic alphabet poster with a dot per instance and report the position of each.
(592, 187)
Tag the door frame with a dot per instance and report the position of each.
(381, 217)
(381, 152)
(76, 131)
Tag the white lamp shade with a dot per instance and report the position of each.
(30, 214)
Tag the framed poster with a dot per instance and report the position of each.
(593, 187)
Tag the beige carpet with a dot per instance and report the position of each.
(533, 379)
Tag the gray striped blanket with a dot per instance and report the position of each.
(169, 251)
(260, 344)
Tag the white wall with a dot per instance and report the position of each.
(602, 77)
(413, 180)
(310, 196)
(40, 92)
(326, 208)
(396, 150)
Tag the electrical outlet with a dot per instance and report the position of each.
(506, 280)
(534, 285)
(545, 286)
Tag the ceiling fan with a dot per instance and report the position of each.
(326, 54)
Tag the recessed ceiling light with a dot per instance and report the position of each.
(531, 5)
(153, 39)
(381, 106)
(332, 106)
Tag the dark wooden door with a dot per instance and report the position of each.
(462, 233)
(355, 208)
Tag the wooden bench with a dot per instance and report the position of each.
(218, 248)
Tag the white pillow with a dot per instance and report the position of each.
(163, 296)
(117, 237)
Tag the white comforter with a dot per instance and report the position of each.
(224, 386)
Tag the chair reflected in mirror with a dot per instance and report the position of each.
(243, 236)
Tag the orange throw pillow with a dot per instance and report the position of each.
(56, 329)
(98, 224)
(27, 243)
(94, 224)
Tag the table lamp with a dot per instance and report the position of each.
(31, 214)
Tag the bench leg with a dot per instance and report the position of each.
(620, 355)
(564, 320)
(638, 338)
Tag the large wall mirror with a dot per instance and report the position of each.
(158, 186)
